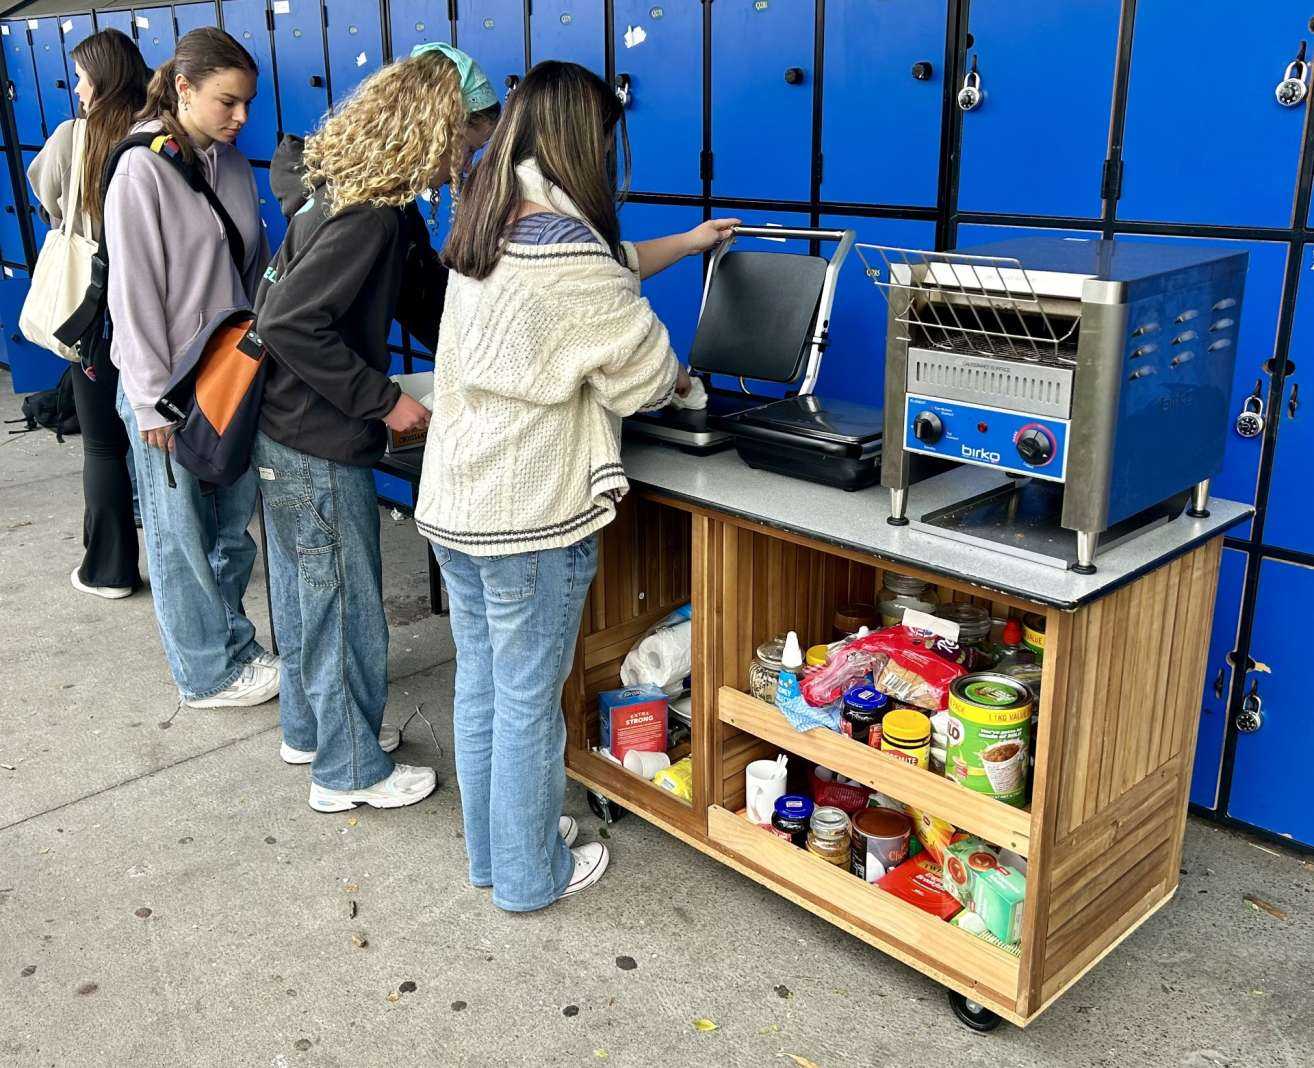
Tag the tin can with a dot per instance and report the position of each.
(990, 735)
(863, 708)
(879, 842)
(1033, 633)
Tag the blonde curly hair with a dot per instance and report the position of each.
(385, 144)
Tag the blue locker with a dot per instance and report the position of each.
(75, 29)
(355, 44)
(881, 109)
(270, 212)
(1289, 522)
(1206, 140)
(302, 80)
(53, 81)
(676, 292)
(393, 490)
(23, 83)
(1036, 144)
(1270, 777)
(115, 20)
(245, 20)
(39, 226)
(493, 32)
(155, 37)
(188, 17)
(438, 219)
(11, 230)
(762, 99)
(854, 368)
(417, 22)
(31, 368)
(656, 47)
(970, 234)
(1218, 681)
(569, 30)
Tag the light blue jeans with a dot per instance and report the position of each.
(515, 620)
(326, 584)
(200, 557)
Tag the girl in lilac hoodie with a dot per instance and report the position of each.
(171, 271)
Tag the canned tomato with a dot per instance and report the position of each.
(989, 735)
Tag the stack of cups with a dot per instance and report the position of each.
(939, 741)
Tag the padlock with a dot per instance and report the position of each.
(1250, 716)
(1250, 423)
(970, 95)
(1294, 87)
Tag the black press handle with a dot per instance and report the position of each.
(316, 82)
(60, 83)
(794, 76)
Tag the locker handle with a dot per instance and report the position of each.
(10, 209)
(922, 70)
(1294, 402)
(316, 81)
(794, 76)
(623, 91)
(11, 92)
(511, 81)
(1218, 683)
(60, 83)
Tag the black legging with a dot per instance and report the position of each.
(108, 532)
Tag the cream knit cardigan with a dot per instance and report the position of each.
(535, 366)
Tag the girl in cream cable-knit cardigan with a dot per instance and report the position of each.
(545, 345)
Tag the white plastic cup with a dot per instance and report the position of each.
(646, 764)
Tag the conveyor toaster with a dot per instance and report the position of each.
(1102, 366)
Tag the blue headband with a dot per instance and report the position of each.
(475, 87)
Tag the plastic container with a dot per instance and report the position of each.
(906, 735)
(816, 656)
(902, 592)
(1014, 654)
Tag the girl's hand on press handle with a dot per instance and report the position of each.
(407, 414)
(708, 235)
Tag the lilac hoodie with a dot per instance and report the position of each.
(170, 268)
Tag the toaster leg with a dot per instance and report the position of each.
(898, 507)
(1199, 508)
(1086, 541)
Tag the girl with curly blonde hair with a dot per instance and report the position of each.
(356, 256)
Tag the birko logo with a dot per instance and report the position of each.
(986, 455)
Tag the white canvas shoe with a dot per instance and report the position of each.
(568, 826)
(110, 593)
(590, 862)
(389, 740)
(254, 686)
(405, 786)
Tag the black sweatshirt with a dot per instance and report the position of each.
(324, 309)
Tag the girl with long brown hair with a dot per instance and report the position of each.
(111, 88)
(545, 344)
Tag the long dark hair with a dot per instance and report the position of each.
(197, 55)
(118, 77)
(565, 118)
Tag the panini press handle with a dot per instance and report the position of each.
(788, 231)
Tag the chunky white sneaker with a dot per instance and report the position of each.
(389, 739)
(590, 863)
(569, 828)
(268, 659)
(110, 593)
(254, 686)
(405, 786)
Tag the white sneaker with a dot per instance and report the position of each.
(590, 863)
(268, 659)
(569, 828)
(389, 740)
(405, 786)
(110, 593)
(254, 686)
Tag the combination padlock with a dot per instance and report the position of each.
(1250, 716)
(1294, 86)
(1250, 423)
(970, 95)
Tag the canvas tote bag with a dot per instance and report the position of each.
(63, 269)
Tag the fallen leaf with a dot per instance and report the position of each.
(301, 1044)
(352, 821)
(802, 1062)
(770, 1029)
(359, 940)
(88, 988)
(1265, 906)
(704, 1024)
(783, 991)
(394, 997)
(350, 888)
(601, 1054)
(1259, 993)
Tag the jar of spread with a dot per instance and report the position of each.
(860, 719)
(828, 836)
(816, 656)
(902, 592)
(790, 818)
(765, 669)
(851, 618)
(906, 735)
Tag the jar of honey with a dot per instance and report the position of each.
(828, 836)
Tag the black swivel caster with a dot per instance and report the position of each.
(975, 1016)
(605, 808)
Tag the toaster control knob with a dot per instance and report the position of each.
(1035, 446)
(927, 428)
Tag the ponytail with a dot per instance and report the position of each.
(162, 103)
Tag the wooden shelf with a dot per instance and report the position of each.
(992, 820)
(974, 967)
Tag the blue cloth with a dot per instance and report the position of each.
(476, 90)
(515, 620)
(326, 585)
(548, 228)
(200, 557)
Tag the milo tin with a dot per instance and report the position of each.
(989, 735)
(1033, 633)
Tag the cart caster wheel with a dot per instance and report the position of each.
(975, 1016)
(605, 808)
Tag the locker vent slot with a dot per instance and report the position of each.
(1037, 389)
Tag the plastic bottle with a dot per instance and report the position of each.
(1014, 654)
(791, 660)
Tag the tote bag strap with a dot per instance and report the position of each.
(73, 213)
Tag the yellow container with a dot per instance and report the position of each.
(906, 735)
(1033, 633)
(677, 779)
(817, 655)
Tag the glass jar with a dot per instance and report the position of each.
(973, 622)
(828, 836)
(791, 818)
(765, 669)
(902, 592)
(850, 618)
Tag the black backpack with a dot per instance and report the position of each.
(52, 409)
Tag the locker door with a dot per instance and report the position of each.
(115, 20)
(1218, 681)
(52, 78)
(493, 32)
(154, 34)
(656, 47)
(1036, 145)
(1206, 140)
(270, 212)
(355, 43)
(1259, 314)
(675, 293)
(75, 29)
(245, 20)
(854, 367)
(23, 83)
(31, 367)
(188, 17)
(762, 99)
(1290, 518)
(893, 53)
(39, 226)
(417, 22)
(11, 231)
(302, 81)
(1270, 778)
(569, 30)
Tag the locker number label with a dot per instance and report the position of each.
(567, 18)
(760, 5)
(282, 7)
(66, 26)
(489, 24)
(143, 23)
(657, 13)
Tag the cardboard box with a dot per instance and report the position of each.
(917, 881)
(976, 877)
(633, 718)
(419, 387)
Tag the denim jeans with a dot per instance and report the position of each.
(515, 620)
(326, 585)
(200, 558)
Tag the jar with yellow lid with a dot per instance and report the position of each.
(828, 836)
(906, 735)
(816, 656)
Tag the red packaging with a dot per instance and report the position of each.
(917, 881)
(910, 666)
(634, 718)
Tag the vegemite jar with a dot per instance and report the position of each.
(790, 818)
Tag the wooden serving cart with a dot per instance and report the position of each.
(1117, 726)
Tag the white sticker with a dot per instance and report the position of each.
(282, 7)
(4, 30)
(32, 24)
(265, 473)
(143, 23)
(66, 25)
(635, 35)
(362, 59)
(9, 272)
(945, 628)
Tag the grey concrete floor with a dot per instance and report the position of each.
(167, 897)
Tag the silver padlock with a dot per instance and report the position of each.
(1294, 86)
(970, 95)
(623, 91)
(1250, 716)
(1250, 423)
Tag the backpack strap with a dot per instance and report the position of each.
(167, 147)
